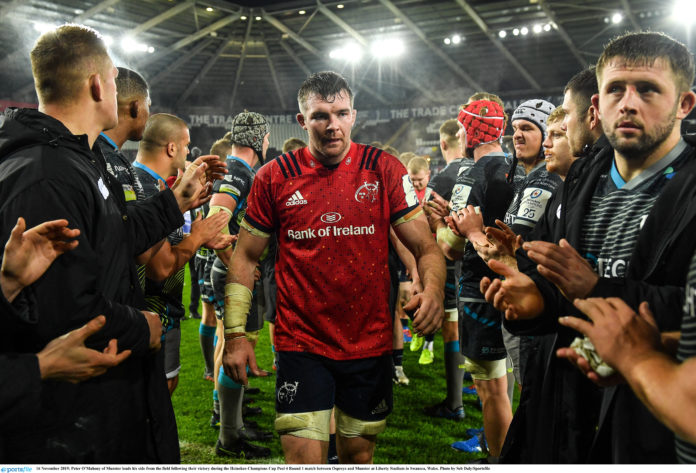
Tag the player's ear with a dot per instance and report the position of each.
(133, 109)
(95, 87)
(171, 149)
(301, 120)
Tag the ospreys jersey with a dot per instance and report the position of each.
(332, 225)
(121, 168)
(163, 297)
(618, 210)
(686, 452)
(444, 181)
(236, 184)
(532, 194)
(484, 185)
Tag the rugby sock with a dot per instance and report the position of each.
(206, 336)
(398, 357)
(333, 453)
(216, 402)
(454, 374)
(231, 396)
(428, 343)
(510, 379)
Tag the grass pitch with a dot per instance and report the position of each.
(411, 437)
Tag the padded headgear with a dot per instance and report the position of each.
(483, 121)
(248, 129)
(536, 111)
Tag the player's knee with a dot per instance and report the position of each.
(310, 425)
(485, 370)
(351, 427)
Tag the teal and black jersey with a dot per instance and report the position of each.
(532, 194)
(163, 297)
(444, 181)
(619, 209)
(237, 184)
(121, 168)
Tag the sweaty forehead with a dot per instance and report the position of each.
(337, 102)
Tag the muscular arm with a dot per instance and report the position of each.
(416, 236)
(630, 342)
(668, 389)
(405, 256)
(170, 258)
(238, 352)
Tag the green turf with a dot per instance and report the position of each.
(410, 438)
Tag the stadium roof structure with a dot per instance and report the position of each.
(231, 55)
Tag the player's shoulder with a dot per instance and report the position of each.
(284, 166)
(371, 158)
(541, 177)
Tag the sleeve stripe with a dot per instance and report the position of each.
(282, 168)
(362, 161)
(297, 165)
(374, 162)
(287, 164)
(369, 158)
(406, 214)
(253, 223)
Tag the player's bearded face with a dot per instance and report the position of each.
(638, 106)
(328, 125)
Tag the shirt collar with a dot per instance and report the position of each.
(108, 140)
(140, 165)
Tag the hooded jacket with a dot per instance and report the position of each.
(125, 415)
(572, 420)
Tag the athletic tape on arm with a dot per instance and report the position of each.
(446, 235)
(237, 304)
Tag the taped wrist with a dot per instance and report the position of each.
(446, 235)
(237, 305)
(252, 336)
(226, 229)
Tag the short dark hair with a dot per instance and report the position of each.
(583, 86)
(160, 129)
(63, 57)
(644, 48)
(326, 84)
(130, 85)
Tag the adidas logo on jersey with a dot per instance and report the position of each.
(296, 199)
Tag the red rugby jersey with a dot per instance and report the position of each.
(332, 226)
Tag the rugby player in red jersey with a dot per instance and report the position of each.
(331, 206)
